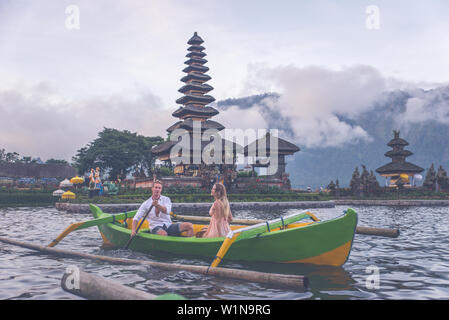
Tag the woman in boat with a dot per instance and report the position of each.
(220, 213)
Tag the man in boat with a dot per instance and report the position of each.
(159, 216)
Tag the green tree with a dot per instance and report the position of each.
(355, 183)
(26, 160)
(118, 152)
(431, 179)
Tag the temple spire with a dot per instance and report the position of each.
(398, 164)
(195, 96)
(195, 90)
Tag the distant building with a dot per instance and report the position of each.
(392, 171)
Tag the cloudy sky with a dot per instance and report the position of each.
(121, 68)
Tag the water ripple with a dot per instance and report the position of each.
(413, 266)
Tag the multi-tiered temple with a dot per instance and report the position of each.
(392, 171)
(194, 111)
(283, 149)
(195, 91)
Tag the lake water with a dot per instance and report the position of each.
(413, 266)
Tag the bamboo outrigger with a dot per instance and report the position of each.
(297, 282)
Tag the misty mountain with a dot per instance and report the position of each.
(422, 116)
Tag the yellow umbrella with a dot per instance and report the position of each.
(68, 195)
(404, 176)
(77, 180)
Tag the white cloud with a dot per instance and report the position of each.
(236, 118)
(38, 121)
(430, 105)
(312, 98)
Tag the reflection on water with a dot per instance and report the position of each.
(413, 266)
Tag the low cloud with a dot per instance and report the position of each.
(426, 105)
(311, 99)
(37, 121)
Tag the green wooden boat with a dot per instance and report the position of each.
(285, 240)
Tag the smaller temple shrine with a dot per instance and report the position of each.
(398, 166)
(284, 148)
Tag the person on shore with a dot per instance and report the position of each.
(159, 216)
(91, 183)
(220, 213)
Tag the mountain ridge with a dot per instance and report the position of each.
(428, 136)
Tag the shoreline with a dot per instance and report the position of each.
(204, 206)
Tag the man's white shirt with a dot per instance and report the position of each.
(155, 221)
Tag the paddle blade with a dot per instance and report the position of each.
(223, 250)
(72, 227)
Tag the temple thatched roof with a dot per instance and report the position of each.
(165, 148)
(188, 125)
(284, 147)
(196, 76)
(398, 168)
(195, 39)
(193, 98)
(398, 153)
(201, 87)
(396, 141)
(195, 111)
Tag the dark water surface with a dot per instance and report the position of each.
(413, 266)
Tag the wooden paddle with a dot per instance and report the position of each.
(90, 223)
(138, 228)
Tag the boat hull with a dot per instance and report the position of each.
(324, 242)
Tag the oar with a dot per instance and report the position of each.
(90, 223)
(138, 228)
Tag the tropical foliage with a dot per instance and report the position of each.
(118, 153)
